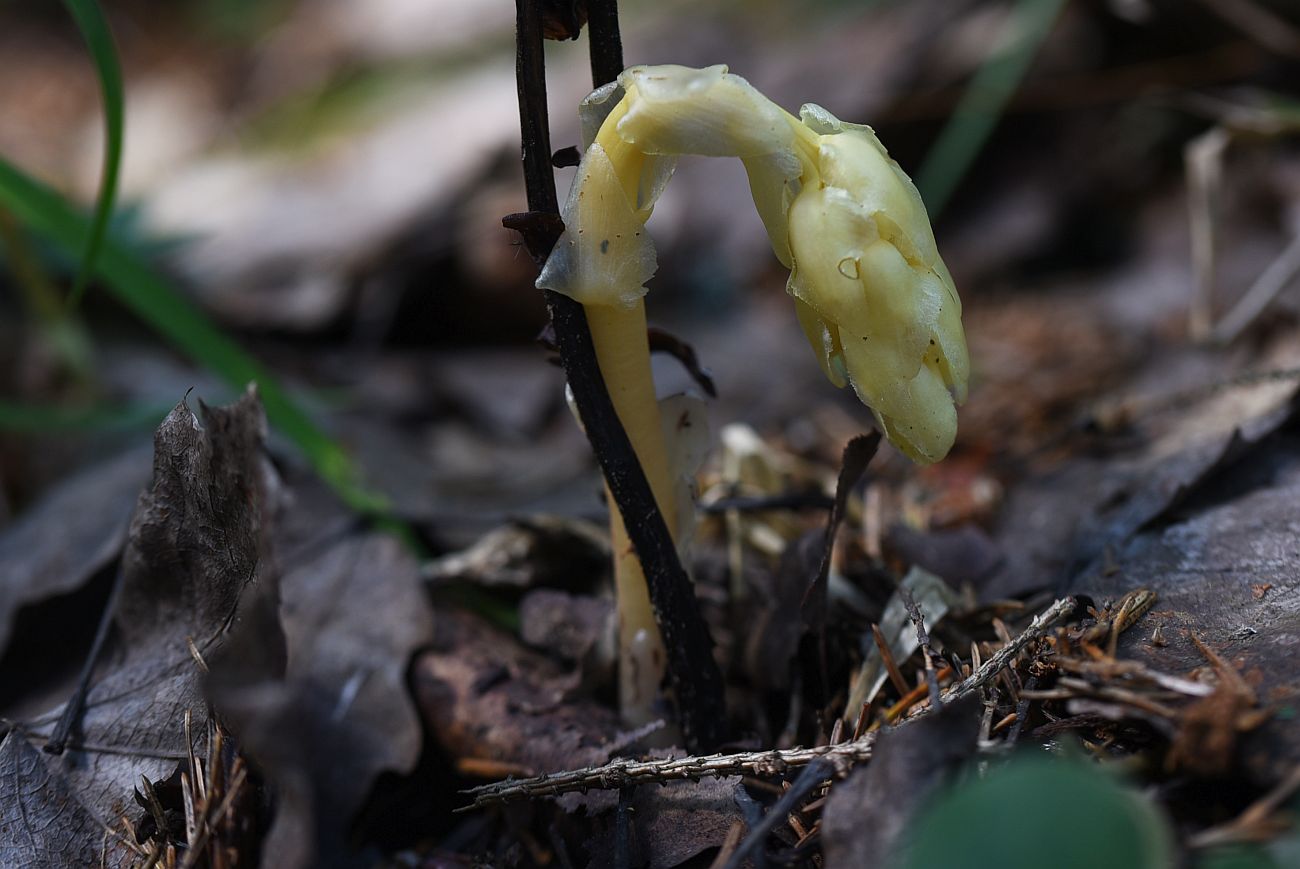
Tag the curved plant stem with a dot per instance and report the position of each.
(692, 671)
(623, 352)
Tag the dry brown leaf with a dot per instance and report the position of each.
(195, 544)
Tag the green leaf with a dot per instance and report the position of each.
(982, 103)
(1037, 812)
(99, 39)
(155, 301)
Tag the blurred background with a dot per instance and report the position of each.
(322, 182)
(311, 195)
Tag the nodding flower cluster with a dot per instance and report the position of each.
(871, 292)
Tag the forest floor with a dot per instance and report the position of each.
(1070, 643)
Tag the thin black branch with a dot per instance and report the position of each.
(812, 777)
(858, 453)
(623, 830)
(76, 705)
(694, 674)
(753, 815)
(1022, 712)
(534, 122)
(606, 44)
(663, 341)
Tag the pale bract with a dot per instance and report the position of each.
(870, 290)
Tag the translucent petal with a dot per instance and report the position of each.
(685, 421)
(917, 414)
(827, 228)
(824, 344)
(822, 122)
(875, 369)
(774, 183)
(944, 275)
(904, 301)
(656, 172)
(951, 342)
(852, 157)
(595, 108)
(861, 283)
(679, 110)
(819, 120)
(604, 256)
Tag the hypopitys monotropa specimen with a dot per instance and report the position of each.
(870, 290)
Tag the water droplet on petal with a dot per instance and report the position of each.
(848, 267)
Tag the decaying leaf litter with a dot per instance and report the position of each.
(1103, 455)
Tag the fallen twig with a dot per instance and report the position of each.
(989, 670)
(923, 640)
(623, 773)
(809, 780)
(1261, 294)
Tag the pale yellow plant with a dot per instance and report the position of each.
(870, 289)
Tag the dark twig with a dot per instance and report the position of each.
(623, 830)
(566, 157)
(660, 341)
(753, 813)
(606, 43)
(812, 777)
(858, 453)
(1022, 712)
(923, 640)
(76, 704)
(663, 341)
(695, 677)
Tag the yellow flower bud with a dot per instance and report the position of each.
(871, 292)
(865, 261)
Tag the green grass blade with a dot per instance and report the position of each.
(99, 39)
(982, 103)
(155, 301)
(39, 419)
